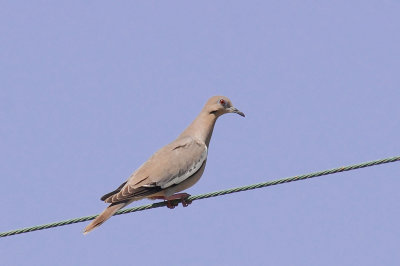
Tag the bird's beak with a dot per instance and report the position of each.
(236, 111)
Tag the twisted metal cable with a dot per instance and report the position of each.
(209, 195)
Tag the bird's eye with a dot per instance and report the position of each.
(222, 102)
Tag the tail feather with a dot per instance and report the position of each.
(104, 216)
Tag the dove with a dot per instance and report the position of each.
(173, 168)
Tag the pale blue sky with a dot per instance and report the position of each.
(90, 90)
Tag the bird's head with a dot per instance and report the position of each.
(219, 105)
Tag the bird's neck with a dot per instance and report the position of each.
(201, 128)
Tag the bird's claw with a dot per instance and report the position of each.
(171, 204)
(172, 201)
(185, 202)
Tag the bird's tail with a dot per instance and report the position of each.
(104, 216)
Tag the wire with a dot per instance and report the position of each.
(209, 195)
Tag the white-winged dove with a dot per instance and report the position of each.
(174, 168)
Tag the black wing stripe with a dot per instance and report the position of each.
(103, 198)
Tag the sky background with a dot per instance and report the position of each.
(89, 90)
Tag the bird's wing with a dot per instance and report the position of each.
(169, 166)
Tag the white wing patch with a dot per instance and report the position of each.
(193, 169)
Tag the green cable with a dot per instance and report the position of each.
(208, 195)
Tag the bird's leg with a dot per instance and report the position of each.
(171, 205)
(170, 199)
(179, 196)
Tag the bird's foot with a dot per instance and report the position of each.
(183, 197)
(172, 200)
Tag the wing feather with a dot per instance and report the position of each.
(169, 166)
